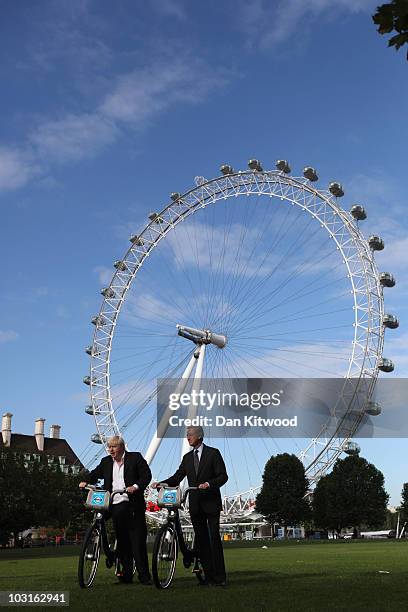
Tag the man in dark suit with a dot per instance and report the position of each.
(205, 469)
(125, 470)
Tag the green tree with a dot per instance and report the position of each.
(404, 503)
(54, 496)
(15, 513)
(35, 495)
(325, 514)
(390, 17)
(282, 497)
(351, 496)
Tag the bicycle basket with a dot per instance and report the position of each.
(98, 500)
(169, 498)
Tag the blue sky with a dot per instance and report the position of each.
(106, 110)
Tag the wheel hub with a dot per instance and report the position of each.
(202, 336)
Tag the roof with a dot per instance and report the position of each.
(58, 447)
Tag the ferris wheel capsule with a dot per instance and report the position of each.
(255, 164)
(358, 212)
(96, 438)
(387, 279)
(154, 216)
(108, 292)
(136, 240)
(310, 173)
(98, 320)
(352, 448)
(89, 409)
(176, 197)
(86, 380)
(373, 408)
(120, 265)
(390, 321)
(376, 243)
(226, 169)
(88, 350)
(385, 365)
(283, 166)
(336, 189)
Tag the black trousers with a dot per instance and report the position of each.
(208, 541)
(131, 533)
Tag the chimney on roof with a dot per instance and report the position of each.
(39, 433)
(55, 431)
(6, 428)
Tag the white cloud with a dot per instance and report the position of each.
(147, 306)
(16, 168)
(170, 8)
(73, 137)
(133, 101)
(141, 94)
(237, 256)
(267, 24)
(8, 336)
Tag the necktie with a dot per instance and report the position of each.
(196, 461)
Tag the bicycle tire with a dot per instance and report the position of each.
(89, 557)
(164, 558)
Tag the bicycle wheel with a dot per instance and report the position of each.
(164, 557)
(89, 557)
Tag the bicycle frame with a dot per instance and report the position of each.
(168, 540)
(97, 537)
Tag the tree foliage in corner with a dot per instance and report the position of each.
(351, 496)
(390, 17)
(282, 497)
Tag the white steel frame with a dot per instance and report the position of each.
(361, 270)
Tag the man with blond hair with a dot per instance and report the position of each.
(126, 470)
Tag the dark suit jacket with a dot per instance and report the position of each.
(211, 470)
(135, 471)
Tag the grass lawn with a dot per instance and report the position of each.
(287, 576)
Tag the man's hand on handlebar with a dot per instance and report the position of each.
(131, 489)
(82, 485)
(204, 485)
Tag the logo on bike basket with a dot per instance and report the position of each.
(170, 497)
(98, 499)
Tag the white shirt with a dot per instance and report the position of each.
(118, 480)
(200, 451)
